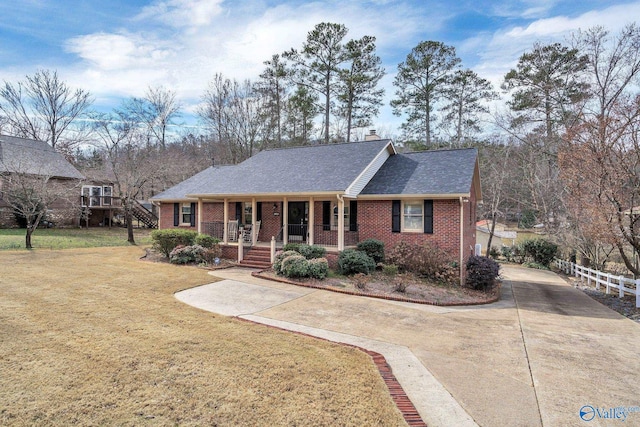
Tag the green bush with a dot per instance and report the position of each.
(206, 241)
(351, 261)
(186, 254)
(295, 266)
(164, 241)
(533, 264)
(507, 253)
(292, 247)
(318, 268)
(482, 272)
(312, 251)
(390, 269)
(374, 248)
(494, 252)
(426, 261)
(277, 262)
(540, 251)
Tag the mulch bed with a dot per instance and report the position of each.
(380, 286)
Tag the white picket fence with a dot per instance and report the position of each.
(609, 280)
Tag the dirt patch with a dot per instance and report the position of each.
(378, 285)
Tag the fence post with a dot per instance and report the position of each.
(608, 282)
(597, 280)
(620, 286)
(637, 293)
(589, 276)
(273, 249)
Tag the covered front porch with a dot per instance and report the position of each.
(328, 221)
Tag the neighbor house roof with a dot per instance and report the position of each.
(361, 168)
(21, 155)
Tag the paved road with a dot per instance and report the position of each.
(535, 358)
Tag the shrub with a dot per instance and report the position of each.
(399, 284)
(494, 252)
(424, 260)
(318, 268)
(481, 272)
(351, 261)
(507, 253)
(277, 262)
(210, 254)
(374, 248)
(311, 251)
(540, 250)
(295, 266)
(164, 241)
(206, 241)
(389, 269)
(186, 254)
(292, 247)
(537, 266)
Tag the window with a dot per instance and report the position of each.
(185, 213)
(412, 216)
(248, 213)
(106, 192)
(346, 217)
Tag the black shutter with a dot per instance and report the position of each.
(353, 215)
(428, 216)
(239, 212)
(176, 214)
(326, 216)
(395, 216)
(192, 216)
(259, 213)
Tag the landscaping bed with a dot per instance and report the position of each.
(379, 285)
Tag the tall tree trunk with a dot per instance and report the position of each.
(27, 239)
(491, 231)
(128, 217)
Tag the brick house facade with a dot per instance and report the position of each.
(334, 196)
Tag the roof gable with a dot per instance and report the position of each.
(34, 157)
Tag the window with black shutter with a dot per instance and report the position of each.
(428, 216)
(353, 215)
(395, 216)
(176, 214)
(192, 215)
(326, 216)
(239, 212)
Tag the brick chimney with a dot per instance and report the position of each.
(372, 136)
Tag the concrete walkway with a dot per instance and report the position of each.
(535, 358)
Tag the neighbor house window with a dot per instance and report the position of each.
(93, 195)
(106, 192)
(412, 216)
(186, 213)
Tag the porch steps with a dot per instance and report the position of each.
(257, 257)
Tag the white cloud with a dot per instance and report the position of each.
(182, 13)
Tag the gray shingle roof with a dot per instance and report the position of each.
(332, 168)
(316, 168)
(34, 157)
(425, 172)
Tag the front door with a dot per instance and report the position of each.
(298, 219)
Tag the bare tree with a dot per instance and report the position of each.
(129, 159)
(156, 111)
(43, 107)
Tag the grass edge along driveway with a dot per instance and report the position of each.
(95, 336)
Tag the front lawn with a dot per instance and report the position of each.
(95, 337)
(66, 238)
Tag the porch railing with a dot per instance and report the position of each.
(213, 229)
(326, 235)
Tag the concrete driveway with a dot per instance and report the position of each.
(542, 355)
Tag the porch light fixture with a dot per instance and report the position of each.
(275, 206)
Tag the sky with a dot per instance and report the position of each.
(119, 48)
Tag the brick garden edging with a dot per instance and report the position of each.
(363, 294)
(398, 395)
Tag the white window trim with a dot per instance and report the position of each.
(334, 218)
(402, 215)
(182, 214)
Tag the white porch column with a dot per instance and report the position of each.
(199, 216)
(310, 223)
(225, 231)
(340, 223)
(285, 221)
(254, 219)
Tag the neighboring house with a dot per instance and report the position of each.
(37, 158)
(334, 196)
(501, 236)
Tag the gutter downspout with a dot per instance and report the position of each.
(340, 222)
(461, 240)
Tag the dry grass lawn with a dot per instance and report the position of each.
(95, 337)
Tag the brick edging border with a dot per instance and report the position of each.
(385, 297)
(398, 395)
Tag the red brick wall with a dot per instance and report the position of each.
(374, 218)
(166, 217)
(271, 220)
